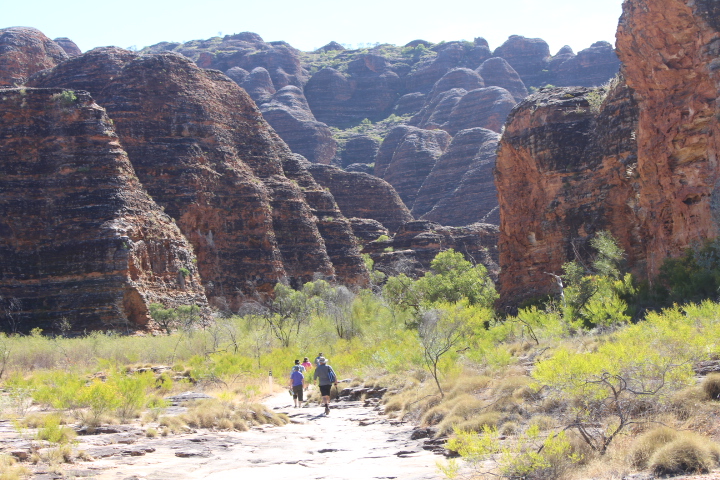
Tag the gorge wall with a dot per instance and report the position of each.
(202, 149)
(82, 245)
(643, 164)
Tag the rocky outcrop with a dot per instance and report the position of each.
(449, 55)
(68, 46)
(529, 57)
(496, 72)
(363, 196)
(590, 67)
(289, 114)
(82, 245)
(369, 90)
(204, 152)
(24, 51)
(245, 50)
(416, 244)
(409, 103)
(359, 149)
(564, 171)
(460, 189)
(406, 157)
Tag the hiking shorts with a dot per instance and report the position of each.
(325, 390)
(298, 392)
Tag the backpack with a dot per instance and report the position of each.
(331, 375)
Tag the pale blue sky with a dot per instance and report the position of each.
(310, 24)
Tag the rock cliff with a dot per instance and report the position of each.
(204, 152)
(643, 166)
(82, 245)
(564, 171)
(24, 51)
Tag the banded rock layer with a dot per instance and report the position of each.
(204, 152)
(82, 245)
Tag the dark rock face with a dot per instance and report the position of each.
(359, 149)
(460, 189)
(24, 51)
(406, 157)
(363, 196)
(409, 103)
(591, 67)
(564, 172)
(463, 78)
(258, 85)
(484, 107)
(246, 50)
(369, 91)
(205, 153)
(69, 46)
(361, 168)
(289, 114)
(496, 72)
(367, 229)
(436, 113)
(80, 240)
(417, 243)
(528, 56)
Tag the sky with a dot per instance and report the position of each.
(310, 24)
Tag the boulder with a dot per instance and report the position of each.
(259, 85)
(483, 107)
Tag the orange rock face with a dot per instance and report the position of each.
(24, 51)
(669, 50)
(81, 242)
(644, 167)
(563, 172)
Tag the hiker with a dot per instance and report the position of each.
(297, 384)
(317, 359)
(306, 363)
(297, 364)
(326, 378)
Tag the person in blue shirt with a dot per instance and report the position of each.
(297, 384)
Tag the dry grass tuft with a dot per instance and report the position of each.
(686, 402)
(648, 443)
(691, 453)
(220, 415)
(711, 386)
(543, 422)
(477, 422)
(10, 470)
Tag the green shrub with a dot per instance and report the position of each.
(53, 432)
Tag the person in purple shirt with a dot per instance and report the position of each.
(297, 384)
